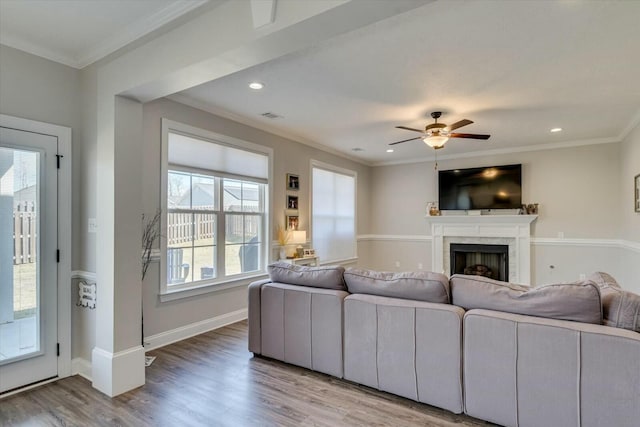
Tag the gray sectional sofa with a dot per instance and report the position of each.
(504, 353)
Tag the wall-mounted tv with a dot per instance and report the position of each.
(495, 187)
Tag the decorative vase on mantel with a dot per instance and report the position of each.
(282, 253)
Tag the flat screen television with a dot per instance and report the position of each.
(495, 187)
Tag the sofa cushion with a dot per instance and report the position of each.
(329, 277)
(621, 309)
(604, 280)
(578, 301)
(420, 286)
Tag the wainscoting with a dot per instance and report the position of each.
(552, 259)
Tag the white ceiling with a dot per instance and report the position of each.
(517, 69)
(80, 32)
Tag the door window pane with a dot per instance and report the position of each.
(19, 253)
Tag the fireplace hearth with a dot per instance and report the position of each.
(480, 259)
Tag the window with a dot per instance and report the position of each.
(333, 212)
(215, 192)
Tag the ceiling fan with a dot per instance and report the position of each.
(435, 135)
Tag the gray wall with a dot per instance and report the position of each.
(289, 157)
(38, 89)
(579, 190)
(629, 168)
(630, 220)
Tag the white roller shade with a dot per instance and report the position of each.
(334, 206)
(198, 153)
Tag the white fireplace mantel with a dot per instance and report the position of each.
(512, 229)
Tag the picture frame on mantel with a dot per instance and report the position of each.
(636, 193)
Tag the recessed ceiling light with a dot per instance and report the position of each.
(390, 150)
(256, 85)
(556, 130)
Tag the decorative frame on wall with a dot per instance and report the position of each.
(292, 222)
(292, 202)
(293, 182)
(636, 192)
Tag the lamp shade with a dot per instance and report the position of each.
(299, 237)
(435, 141)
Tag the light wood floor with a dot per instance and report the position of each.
(212, 380)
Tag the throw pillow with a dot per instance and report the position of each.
(328, 277)
(421, 286)
(578, 302)
(621, 309)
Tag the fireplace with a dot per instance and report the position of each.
(480, 259)
(513, 231)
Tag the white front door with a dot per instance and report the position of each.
(28, 258)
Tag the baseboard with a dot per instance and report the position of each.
(153, 342)
(82, 367)
(117, 373)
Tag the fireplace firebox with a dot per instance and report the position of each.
(480, 259)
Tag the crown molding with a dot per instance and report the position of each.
(635, 121)
(37, 50)
(499, 151)
(136, 30)
(200, 105)
(121, 38)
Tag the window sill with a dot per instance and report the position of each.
(208, 288)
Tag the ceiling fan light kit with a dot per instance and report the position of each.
(435, 141)
(435, 135)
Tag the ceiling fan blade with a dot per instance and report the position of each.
(469, 135)
(405, 140)
(406, 128)
(459, 124)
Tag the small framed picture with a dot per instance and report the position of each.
(636, 192)
(292, 222)
(293, 182)
(292, 202)
(309, 252)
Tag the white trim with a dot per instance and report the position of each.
(63, 134)
(84, 275)
(550, 241)
(537, 241)
(340, 261)
(635, 121)
(630, 246)
(393, 237)
(119, 38)
(156, 341)
(29, 387)
(117, 373)
(182, 291)
(195, 290)
(123, 36)
(500, 151)
(82, 367)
